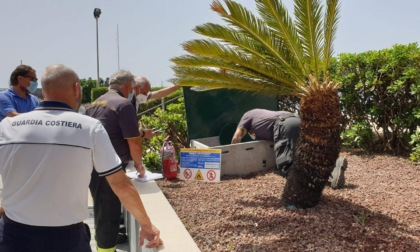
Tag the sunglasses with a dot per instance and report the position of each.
(32, 78)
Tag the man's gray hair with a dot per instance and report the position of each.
(141, 82)
(58, 76)
(121, 78)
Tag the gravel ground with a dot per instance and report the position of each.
(378, 210)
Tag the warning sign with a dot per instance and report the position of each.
(211, 175)
(187, 174)
(200, 164)
(198, 176)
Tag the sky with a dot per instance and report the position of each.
(150, 32)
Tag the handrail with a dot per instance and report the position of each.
(152, 108)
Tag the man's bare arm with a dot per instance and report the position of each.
(239, 134)
(129, 197)
(163, 92)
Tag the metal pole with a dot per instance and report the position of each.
(97, 52)
(118, 48)
(162, 100)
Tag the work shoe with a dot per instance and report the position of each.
(338, 179)
(122, 238)
(283, 170)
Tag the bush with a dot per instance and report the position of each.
(173, 123)
(415, 142)
(382, 88)
(87, 85)
(359, 135)
(153, 161)
(98, 91)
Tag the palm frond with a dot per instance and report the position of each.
(309, 26)
(330, 29)
(271, 53)
(276, 16)
(202, 88)
(244, 76)
(232, 37)
(213, 78)
(233, 60)
(243, 20)
(202, 61)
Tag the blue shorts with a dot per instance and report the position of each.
(20, 237)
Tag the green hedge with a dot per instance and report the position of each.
(173, 122)
(381, 89)
(415, 143)
(87, 85)
(98, 91)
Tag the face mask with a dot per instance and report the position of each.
(33, 85)
(130, 95)
(82, 110)
(141, 98)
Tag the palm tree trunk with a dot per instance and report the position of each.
(317, 149)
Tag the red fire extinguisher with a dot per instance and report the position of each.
(169, 162)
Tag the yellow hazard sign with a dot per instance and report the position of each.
(199, 176)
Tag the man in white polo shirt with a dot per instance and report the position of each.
(46, 159)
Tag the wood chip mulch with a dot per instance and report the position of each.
(377, 210)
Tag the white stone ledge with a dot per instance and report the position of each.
(173, 232)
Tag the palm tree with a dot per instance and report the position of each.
(272, 53)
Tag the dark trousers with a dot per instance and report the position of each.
(106, 210)
(286, 133)
(16, 237)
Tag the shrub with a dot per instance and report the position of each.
(98, 91)
(383, 89)
(87, 85)
(415, 142)
(153, 161)
(173, 123)
(358, 135)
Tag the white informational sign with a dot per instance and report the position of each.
(200, 164)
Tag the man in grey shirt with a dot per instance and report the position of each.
(283, 128)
